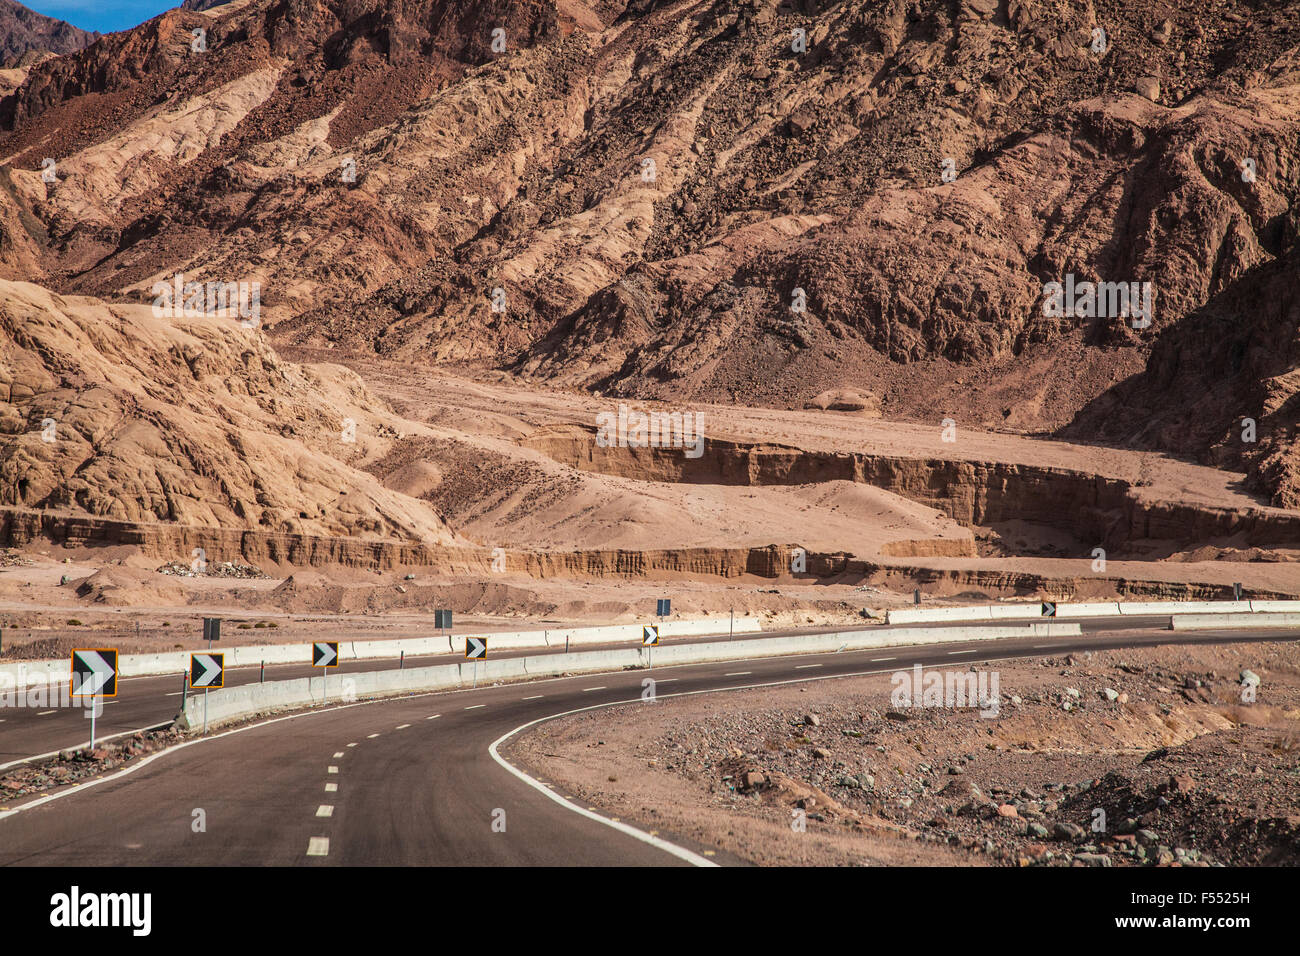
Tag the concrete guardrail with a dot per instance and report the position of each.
(253, 655)
(235, 702)
(1214, 622)
(1016, 612)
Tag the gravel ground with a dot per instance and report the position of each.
(1115, 758)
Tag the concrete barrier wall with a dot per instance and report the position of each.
(997, 612)
(1214, 622)
(1033, 611)
(27, 673)
(176, 662)
(235, 702)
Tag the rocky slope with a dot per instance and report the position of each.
(109, 411)
(626, 198)
(1140, 757)
(23, 31)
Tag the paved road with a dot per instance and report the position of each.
(27, 732)
(414, 782)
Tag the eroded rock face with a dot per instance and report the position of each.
(111, 412)
(728, 201)
(1226, 378)
(25, 33)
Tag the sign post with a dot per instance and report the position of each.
(207, 671)
(649, 640)
(325, 654)
(442, 620)
(211, 630)
(94, 675)
(475, 650)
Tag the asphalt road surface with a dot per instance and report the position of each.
(144, 702)
(412, 781)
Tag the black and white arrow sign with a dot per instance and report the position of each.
(649, 635)
(475, 648)
(207, 670)
(1049, 609)
(325, 654)
(94, 671)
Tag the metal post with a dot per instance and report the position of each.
(566, 643)
(205, 710)
(261, 674)
(93, 710)
(401, 661)
(731, 633)
(476, 672)
(324, 684)
(185, 688)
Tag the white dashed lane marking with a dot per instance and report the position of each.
(331, 788)
(372, 736)
(475, 706)
(433, 717)
(351, 745)
(332, 770)
(402, 726)
(800, 667)
(324, 810)
(534, 697)
(318, 846)
(588, 690)
(339, 754)
(44, 712)
(877, 660)
(738, 674)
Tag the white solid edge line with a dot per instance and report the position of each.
(145, 761)
(150, 758)
(657, 842)
(77, 746)
(660, 844)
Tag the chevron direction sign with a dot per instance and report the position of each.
(207, 670)
(325, 654)
(94, 672)
(649, 635)
(475, 648)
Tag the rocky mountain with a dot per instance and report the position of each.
(717, 200)
(23, 30)
(120, 413)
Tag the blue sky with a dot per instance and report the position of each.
(102, 15)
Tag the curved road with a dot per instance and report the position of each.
(411, 781)
(145, 702)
